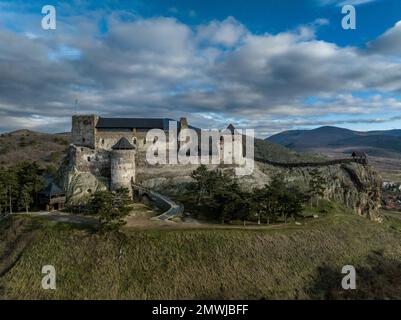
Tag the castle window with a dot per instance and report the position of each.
(144, 141)
(89, 190)
(134, 140)
(102, 141)
(154, 140)
(89, 159)
(83, 140)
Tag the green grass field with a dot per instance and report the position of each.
(290, 262)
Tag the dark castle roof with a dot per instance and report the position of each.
(231, 128)
(51, 190)
(138, 123)
(130, 123)
(123, 144)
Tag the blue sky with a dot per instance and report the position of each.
(269, 65)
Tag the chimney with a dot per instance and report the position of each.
(183, 123)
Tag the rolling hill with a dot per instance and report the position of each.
(49, 149)
(25, 145)
(375, 143)
(382, 147)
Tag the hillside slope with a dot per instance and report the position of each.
(382, 147)
(294, 262)
(376, 143)
(304, 139)
(25, 145)
(275, 152)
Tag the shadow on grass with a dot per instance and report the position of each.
(378, 279)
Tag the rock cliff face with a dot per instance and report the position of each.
(355, 185)
(83, 172)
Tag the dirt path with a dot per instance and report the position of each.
(62, 217)
(14, 238)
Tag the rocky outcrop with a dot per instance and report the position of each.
(355, 185)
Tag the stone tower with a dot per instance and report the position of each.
(122, 165)
(84, 130)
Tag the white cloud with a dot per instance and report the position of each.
(160, 67)
(389, 42)
(226, 33)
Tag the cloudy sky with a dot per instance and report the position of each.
(268, 65)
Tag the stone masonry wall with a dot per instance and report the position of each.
(84, 130)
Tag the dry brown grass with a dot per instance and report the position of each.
(25, 145)
(196, 263)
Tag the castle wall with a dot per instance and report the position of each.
(84, 130)
(96, 162)
(107, 139)
(122, 169)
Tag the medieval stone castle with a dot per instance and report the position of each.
(107, 147)
(109, 153)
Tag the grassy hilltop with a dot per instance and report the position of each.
(277, 262)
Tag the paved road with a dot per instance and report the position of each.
(175, 209)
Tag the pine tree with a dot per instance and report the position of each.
(111, 208)
(3, 191)
(201, 177)
(12, 188)
(265, 204)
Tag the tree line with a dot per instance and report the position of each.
(219, 196)
(19, 186)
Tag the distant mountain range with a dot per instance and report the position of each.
(386, 143)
